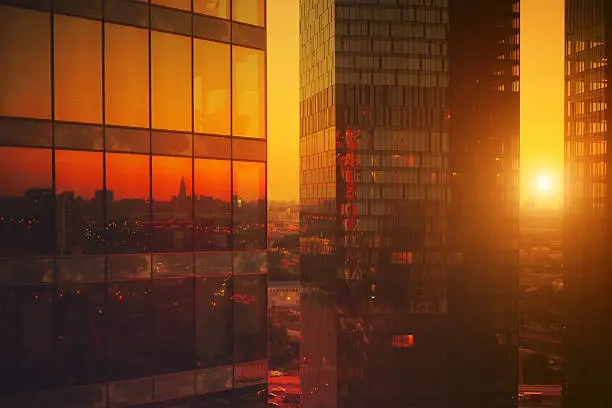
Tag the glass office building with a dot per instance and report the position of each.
(409, 194)
(374, 194)
(132, 203)
(484, 213)
(587, 208)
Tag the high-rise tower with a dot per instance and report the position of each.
(112, 291)
(374, 195)
(587, 204)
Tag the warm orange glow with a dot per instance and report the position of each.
(542, 99)
(22, 169)
(212, 178)
(249, 180)
(78, 172)
(167, 175)
(545, 184)
(542, 81)
(127, 176)
(283, 99)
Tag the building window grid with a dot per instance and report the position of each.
(53, 148)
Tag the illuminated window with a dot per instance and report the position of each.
(78, 69)
(249, 11)
(211, 87)
(249, 93)
(127, 76)
(401, 258)
(171, 81)
(402, 340)
(25, 71)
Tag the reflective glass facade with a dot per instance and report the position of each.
(133, 260)
(374, 195)
(391, 312)
(587, 210)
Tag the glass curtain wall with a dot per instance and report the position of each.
(132, 201)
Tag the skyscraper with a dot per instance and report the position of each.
(127, 277)
(374, 195)
(410, 293)
(484, 216)
(587, 226)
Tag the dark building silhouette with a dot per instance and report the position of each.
(587, 227)
(484, 214)
(409, 203)
(127, 275)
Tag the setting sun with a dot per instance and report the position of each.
(544, 183)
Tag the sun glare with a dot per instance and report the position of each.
(544, 183)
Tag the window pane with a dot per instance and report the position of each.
(212, 206)
(26, 202)
(249, 205)
(249, 98)
(127, 76)
(80, 333)
(79, 202)
(215, 8)
(171, 85)
(130, 329)
(25, 71)
(211, 76)
(249, 11)
(250, 318)
(214, 322)
(180, 4)
(127, 195)
(172, 204)
(174, 326)
(27, 352)
(78, 69)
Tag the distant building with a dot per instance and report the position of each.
(588, 239)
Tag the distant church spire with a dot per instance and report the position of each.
(182, 196)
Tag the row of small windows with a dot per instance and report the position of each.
(578, 87)
(581, 128)
(127, 76)
(579, 107)
(579, 46)
(392, 62)
(575, 149)
(577, 67)
(391, 46)
(424, 14)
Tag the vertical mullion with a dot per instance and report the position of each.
(148, 232)
(53, 184)
(193, 202)
(104, 188)
(232, 230)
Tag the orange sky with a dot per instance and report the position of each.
(283, 99)
(542, 98)
(542, 47)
